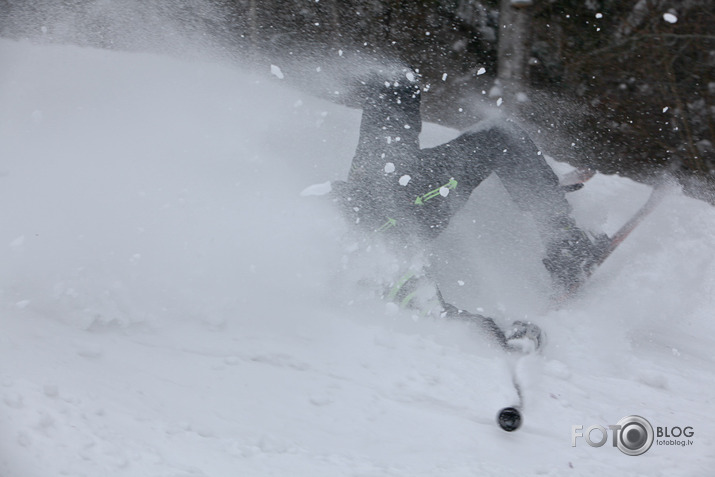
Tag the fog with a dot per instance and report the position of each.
(172, 304)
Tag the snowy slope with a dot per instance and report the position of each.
(171, 305)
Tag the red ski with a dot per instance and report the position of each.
(656, 197)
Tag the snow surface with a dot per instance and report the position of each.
(171, 305)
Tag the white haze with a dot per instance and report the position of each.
(172, 306)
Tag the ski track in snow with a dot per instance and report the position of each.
(171, 305)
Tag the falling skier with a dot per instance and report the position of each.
(408, 194)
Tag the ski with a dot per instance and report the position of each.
(656, 197)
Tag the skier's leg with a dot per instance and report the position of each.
(439, 185)
(510, 153)
(470, 158)
(464, 163)
(387, 146)
(390, 124)
(506, 150)
(503, 148)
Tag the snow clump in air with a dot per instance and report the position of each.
(670, 18)
(276, 71)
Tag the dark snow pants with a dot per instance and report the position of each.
(396, 187)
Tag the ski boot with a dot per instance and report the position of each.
(571, 258)
(524, 337)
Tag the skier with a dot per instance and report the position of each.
(408, 194)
